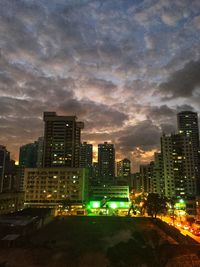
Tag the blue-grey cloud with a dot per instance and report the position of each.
(183, 82)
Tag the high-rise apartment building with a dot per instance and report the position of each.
(188, 125)
(146, 176)
(40, 142)
(136, 182)
(8, 172)
(10, 199)
(61, 140)
(124, 168)
(3, 153)
(157, 181)
(31, 155)
(175, 171)
(28, 155)
(95, 173)
(106, 161)
(178, 166)
(86, 154)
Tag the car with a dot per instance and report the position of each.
(186, 227)
(195, 231)
(178, 224)
(191, 230)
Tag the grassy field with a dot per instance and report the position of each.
(93, 242)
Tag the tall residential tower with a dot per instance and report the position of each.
(86, 157)
(178, 166)
(188, 126)
(124, 168)
(61, 140)
(106, 161)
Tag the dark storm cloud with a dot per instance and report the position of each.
(185, 107)
(163, 111)
(100, 60)
(8, 128)
(168, 128)
(164, 117)
(9, 106)
(145, 135)
(50, 90)
(182, 83)
(96, 116)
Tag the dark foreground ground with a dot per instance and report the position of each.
(99, 242)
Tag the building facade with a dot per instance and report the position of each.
(48, 187)
(28, 155)
(178, 166)
(95, 171)
(188, 126)
(8, 171)
(61, 140)
(3, 154)
(40, 149)
(124, 168)
(109, 191)
(106, 161)
(86, 157)
(11, 202)
(146, 176)
(136, 185)
(157, 182)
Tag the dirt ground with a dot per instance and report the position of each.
(98, 242)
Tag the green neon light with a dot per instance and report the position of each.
(110, 204)
(113, 205)
(95, 204)
(122, 204)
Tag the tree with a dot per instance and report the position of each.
(132, 208)
(140, 203)
(156, 204)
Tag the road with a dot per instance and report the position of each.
(183, 231)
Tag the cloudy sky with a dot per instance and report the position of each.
(124, 67)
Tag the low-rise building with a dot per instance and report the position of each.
(11, 202)
(49, 187)
(108, 206)
(109, 191)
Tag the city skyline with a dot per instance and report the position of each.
(188, 126)
(126, 70)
